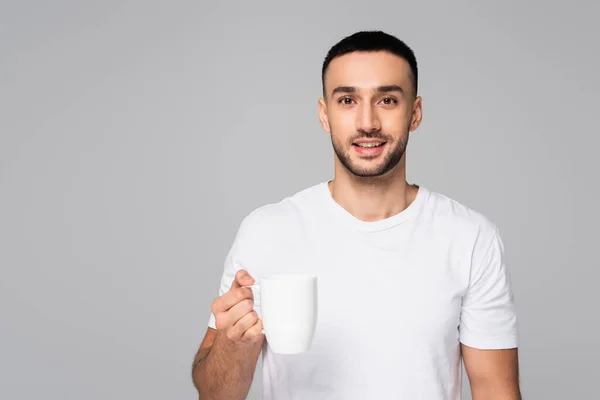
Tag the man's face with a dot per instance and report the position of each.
(369, 108)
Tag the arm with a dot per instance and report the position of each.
(223, 369)
(488, 327)
(226, 361)
(493, 374)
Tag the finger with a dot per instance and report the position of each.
(231, 298)
(239, 329)
(253, 333)
(238, 311)
(242, 278)
(239, 276)
(235, 284)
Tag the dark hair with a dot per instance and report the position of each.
(368, 41)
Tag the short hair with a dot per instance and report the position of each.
(371, 41)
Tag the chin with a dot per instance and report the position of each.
(367, 167)
(368, 172)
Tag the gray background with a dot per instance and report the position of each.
(134, 137)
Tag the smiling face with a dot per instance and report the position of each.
(369, 108)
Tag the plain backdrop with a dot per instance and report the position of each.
(135, 136)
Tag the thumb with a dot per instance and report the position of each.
(242, 278)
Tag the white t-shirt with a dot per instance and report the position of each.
(396, 297)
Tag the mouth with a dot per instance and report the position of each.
(369, 145)
(369, 148)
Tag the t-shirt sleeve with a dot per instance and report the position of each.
(232, 265)
(488, 317)
(227, 276)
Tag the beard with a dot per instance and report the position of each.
(390, 159)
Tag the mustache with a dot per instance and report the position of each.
(370, 135)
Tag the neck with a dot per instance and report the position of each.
(373, 198)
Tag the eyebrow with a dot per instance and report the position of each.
(380, 89)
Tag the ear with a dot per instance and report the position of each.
(323, 115)
(417, 114)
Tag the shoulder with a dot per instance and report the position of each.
(473, 237)
(286, 213)
(458, 219)
(298, 203)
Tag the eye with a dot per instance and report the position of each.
(388, 101)
(345, 101)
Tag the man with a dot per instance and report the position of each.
(410, 281)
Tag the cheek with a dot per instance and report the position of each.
(395, 122)
(342, 120)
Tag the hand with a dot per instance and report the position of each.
(234, 312)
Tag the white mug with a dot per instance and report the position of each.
(288, 307)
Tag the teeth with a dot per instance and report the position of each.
(370, 144)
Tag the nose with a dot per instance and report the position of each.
(367, 119)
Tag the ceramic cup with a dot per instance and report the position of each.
(288, 307)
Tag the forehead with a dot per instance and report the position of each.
(368, 70)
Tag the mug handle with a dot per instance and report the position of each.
(256, 289)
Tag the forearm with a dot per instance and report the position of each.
(225, 370)
(493, 374)
(509, 392)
